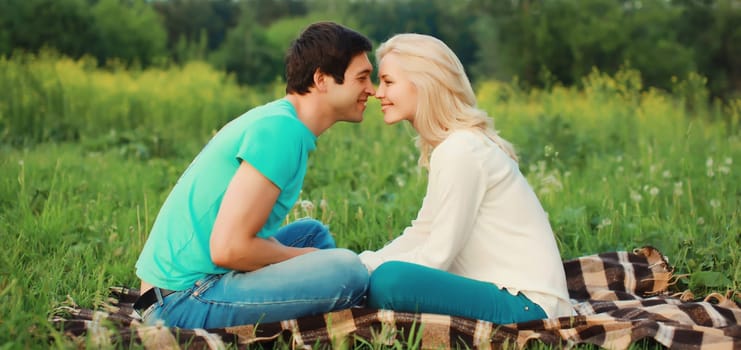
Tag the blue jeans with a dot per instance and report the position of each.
(314, 283)
(402, 286)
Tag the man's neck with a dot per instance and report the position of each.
(311, 112)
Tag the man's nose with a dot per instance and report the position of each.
(371, 89)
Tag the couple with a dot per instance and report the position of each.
(481, 246)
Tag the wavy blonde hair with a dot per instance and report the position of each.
(445, 99)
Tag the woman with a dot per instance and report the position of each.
(481, 246)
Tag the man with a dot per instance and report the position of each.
(216, 255)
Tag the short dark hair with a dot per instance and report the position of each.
(327, 46)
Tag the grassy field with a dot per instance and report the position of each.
(88, 156)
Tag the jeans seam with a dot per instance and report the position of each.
(199, 298)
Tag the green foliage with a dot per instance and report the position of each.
(249, 55)
(266, 12)
(285, 30)
(58, 100)
(127, 30)
(31, 25)
(712, 29)
(565, 39)
(196, 25)
(440, 18)
(651, 41)
(109, 29)
(542, 43)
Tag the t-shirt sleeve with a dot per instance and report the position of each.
(273, 147)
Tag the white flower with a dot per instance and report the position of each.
(700, 221)
(604, 223)
(678, 188)
(714, 203)
(728, 161)
(653, 191)
(307, 205)
(635, 196)
(709, 163)
(667, 174)
(548, 150)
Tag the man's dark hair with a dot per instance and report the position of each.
(324, 45)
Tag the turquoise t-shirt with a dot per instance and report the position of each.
(272, 139)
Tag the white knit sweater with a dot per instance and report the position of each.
(481, 219)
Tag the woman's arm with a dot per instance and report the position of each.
(456, 188)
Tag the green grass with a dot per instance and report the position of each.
(616, 168)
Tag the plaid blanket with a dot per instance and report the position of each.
(621, 298)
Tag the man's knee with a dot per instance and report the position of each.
(312, 225)
(349, 261)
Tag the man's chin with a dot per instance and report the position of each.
(354, 118)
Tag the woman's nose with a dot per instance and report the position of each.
(379, 92)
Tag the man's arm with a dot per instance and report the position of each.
(245, 208)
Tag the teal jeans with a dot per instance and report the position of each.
(407, 287)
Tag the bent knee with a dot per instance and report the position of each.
(349, 262)
(386, 282)
(387, 276)
(312, 225)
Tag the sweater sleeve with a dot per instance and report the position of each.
(409, 240)
(455, 191)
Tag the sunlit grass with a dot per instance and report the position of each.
(88, 156)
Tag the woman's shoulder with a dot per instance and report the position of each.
(460, 141)
(458, 146)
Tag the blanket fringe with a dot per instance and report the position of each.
(724, 300)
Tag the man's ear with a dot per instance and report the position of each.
(320, 80)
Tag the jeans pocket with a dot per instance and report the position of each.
(149, 315)
(202, 285)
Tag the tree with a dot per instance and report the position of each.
(443, 19)
(249, 54)
(712, 29)
(565, 39)
(128, 30)
(65, 25)
(265, 12)
(195, 27)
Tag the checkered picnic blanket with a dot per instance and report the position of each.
(620, 298)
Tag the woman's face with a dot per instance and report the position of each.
(397, 93)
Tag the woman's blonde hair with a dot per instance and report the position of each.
(445, 99)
